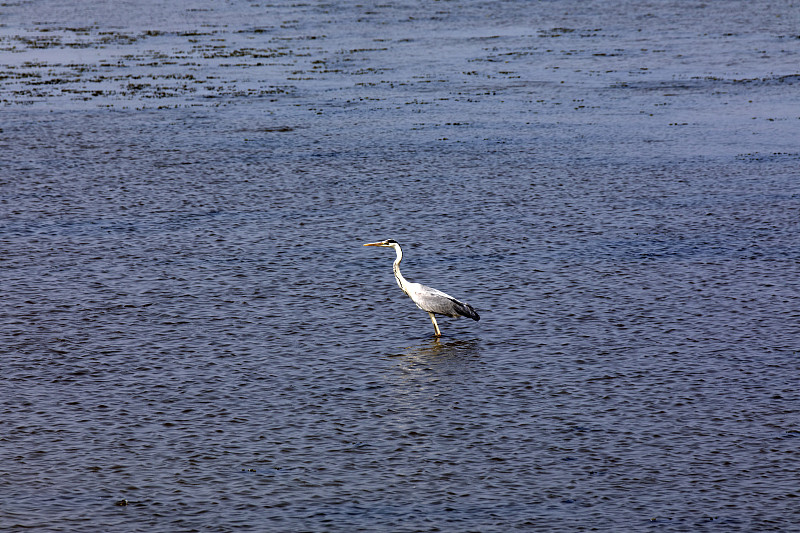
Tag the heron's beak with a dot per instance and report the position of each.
(374, 244)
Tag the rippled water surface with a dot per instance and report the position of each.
(194, 339)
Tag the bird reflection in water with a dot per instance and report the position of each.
(431, 368)
(435, 348)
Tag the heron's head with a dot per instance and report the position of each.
(388, 243)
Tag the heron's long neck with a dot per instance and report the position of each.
(401, 281)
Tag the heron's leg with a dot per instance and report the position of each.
(435, 325)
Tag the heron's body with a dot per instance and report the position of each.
(430, 300)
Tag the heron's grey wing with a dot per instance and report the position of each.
(436, 301)
(432, 300)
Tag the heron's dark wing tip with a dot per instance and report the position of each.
(464, 309)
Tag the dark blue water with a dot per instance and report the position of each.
(192, 337)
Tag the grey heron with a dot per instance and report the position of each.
(429, 300)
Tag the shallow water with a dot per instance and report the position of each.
(193, 337)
